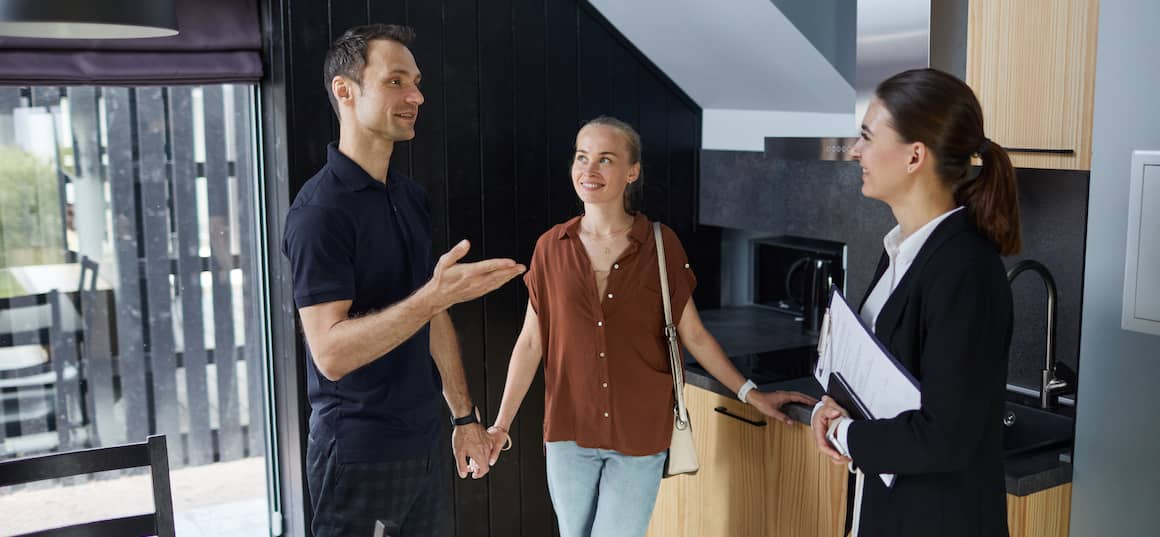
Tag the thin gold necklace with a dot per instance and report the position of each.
(596, 236)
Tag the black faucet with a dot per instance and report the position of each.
(1049, 383)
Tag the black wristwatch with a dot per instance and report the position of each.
(465, 420)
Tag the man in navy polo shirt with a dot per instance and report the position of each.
(373, 306)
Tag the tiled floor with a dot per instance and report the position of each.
(216, 500)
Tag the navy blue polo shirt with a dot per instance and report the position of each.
(350, 237)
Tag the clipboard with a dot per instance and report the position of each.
(839, 390)
(857, 370)
(825, 332)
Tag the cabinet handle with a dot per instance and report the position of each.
(725, 411)
(1038, 150)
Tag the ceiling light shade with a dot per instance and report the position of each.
(87, 19)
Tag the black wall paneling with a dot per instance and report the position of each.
(501, 309)
(533, 168)
(563, 105)
(461, 129)
(507, 84)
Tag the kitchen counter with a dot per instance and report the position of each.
(746, 330)
(770, 348)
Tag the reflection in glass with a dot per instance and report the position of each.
(129, 281)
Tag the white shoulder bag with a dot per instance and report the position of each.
(682, 456)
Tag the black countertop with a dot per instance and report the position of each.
(756, 339)
(745, 330)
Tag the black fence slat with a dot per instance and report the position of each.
(98, 369)
(63, 356)
(130, 343)
(154, 186)
(45, 96)
(247, 233)
(230, 445)
(189, 270)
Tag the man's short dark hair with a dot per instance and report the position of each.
(348, 55)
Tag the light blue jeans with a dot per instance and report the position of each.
(600, 492)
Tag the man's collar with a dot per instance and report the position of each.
(349, 172)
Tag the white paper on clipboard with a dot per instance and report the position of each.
(849, 350)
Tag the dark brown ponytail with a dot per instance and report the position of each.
(993, 199)
(941, 111)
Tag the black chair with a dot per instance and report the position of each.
(89, 270)
(151, 453)
(38, 372)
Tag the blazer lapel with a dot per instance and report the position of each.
(895, 304)
(883, 264)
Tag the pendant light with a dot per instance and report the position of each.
(87, 19)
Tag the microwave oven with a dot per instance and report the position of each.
(793, 274)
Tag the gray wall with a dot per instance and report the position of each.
(1116, 469)
(751, 194)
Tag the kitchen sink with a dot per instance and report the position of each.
(1027, 429)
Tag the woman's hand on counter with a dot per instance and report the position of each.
(820, 423)
(770, 403)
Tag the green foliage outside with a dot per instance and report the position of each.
(9, 287)
(30, 212)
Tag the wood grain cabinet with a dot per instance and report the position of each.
(1032, 65)
(1046, 513)
(727, 496)
(805, 491)
(769, 481)
(755, 480)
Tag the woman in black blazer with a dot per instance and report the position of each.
(940, 303)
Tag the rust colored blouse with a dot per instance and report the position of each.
(606, 367)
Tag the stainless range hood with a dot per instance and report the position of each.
(893, 36)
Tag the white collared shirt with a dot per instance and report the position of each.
(901, 252)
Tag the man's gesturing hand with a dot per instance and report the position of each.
(455, 282)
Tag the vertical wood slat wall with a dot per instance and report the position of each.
(507, 84)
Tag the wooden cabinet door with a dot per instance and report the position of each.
(726, 497)
(1032, 65)
(1046, 513)
(805, 492)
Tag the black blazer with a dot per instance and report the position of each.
(949, 323)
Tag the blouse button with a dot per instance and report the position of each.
(686, 265)
(615, 266)
(602, 355)
(609, 295)
(606, 414)
(599, 323)
(604, 385)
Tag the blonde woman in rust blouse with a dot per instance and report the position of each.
(595, 313)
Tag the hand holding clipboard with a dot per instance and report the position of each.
(857, 370)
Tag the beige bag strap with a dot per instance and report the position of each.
(671, 335)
